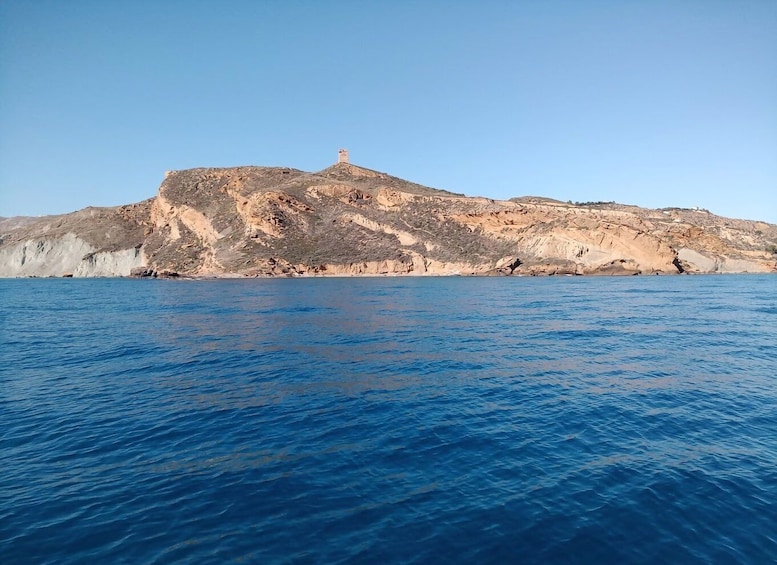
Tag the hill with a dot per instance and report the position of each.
(349, 220)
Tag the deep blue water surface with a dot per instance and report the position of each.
(417, 420)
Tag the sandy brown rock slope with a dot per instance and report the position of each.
(348, 220)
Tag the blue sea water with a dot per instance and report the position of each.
(413, 420)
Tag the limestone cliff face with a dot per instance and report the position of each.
(94, 242)
(347, 220)
(66, 255)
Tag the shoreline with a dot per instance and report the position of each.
(237, 276)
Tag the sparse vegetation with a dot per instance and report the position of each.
(266, 221)
(596, 203)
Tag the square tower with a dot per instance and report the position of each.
(342, 156)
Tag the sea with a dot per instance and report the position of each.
(389, 420)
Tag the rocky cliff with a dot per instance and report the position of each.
(348, 220)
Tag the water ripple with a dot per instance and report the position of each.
(401, 420)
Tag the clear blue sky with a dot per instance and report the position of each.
(654, 103)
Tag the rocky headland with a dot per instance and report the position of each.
(349, 220)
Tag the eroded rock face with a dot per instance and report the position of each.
(347, 220)
(69, 254)
(94, 242)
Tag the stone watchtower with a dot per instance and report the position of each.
(342, 156)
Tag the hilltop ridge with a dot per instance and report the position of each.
(351, 220)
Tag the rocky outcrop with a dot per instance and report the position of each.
(347, 220)
(68, 254)
(94, 242)
(696, 261)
